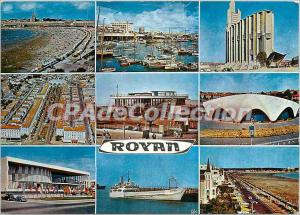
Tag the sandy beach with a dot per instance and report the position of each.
(47, 45)
(284, 187)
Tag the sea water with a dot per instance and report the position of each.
(107, 205)
(292, 175)
(143, 50)
(13, 36)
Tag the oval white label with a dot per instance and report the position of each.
(133, 146)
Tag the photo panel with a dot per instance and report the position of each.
(147, 36)
(47, 109)
(48, 180)
(48, 37)
(148, 183)
(147, 106)
(241, 180)
(249, 36)
(249, 109)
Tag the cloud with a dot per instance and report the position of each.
(82, 5)
(29, 6)
(170, 16)
(7, 8)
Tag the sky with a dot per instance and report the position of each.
(56, 10)
(80, 158)
(106, 84)
(157, 16)
(149, 169)
(213, 18)
(250, 157)
(251, 82)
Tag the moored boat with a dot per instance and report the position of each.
(130, 190)
(108, 69)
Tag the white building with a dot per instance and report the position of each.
(210, 179)
(11, 132)
(238, 107)
(246, 38)
(24, 175)
(74, 134)
(125, 27)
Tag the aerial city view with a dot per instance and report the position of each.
(246, 109)
(260, 180)
(61, 182)
(47, 109)
(166, 108)
(169, 186)
(242, 36)
(47, 37)
(147, 36)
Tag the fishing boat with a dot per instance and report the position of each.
(183, 52)
(150, 41)
(130, 190)
(129, 49)
(171, 66)
(124, 63)
(108, 69)
(195, 53)
(105, 53)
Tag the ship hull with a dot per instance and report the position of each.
(164, 195)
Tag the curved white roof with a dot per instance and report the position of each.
(243, 103)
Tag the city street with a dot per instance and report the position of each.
(84, 206)
(289, 139)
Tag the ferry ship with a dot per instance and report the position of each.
(130, 190)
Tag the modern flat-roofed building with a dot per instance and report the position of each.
(246, 38)
(24, 175)
(152, 98)
(126, 27)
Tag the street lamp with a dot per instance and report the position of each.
(252, 202)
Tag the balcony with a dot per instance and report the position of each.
(268, 36)
(259, 35)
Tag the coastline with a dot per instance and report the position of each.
(36, 34)
(12, 62)
(49, 44)
(280, 175)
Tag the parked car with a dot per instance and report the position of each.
(9, 197)
(21, 199)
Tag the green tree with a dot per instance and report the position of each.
(287, 94)
(262, 58)
(24, 136)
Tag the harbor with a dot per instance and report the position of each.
(134, 46)
(140, 56)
